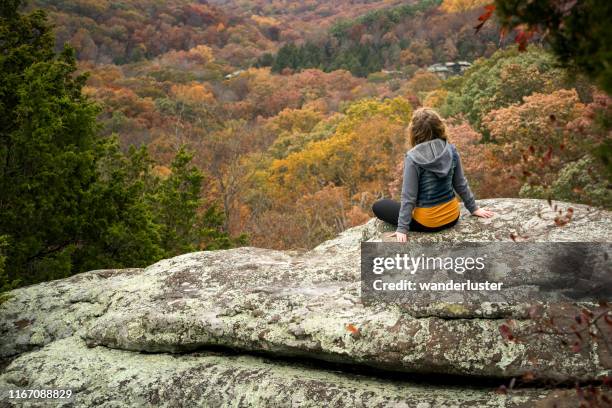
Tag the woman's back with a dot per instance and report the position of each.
(432, 175)
(435, 161)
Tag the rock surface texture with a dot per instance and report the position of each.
(257, 327)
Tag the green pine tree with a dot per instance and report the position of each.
(119, 228)
(185, 222)
(47, 148)
(177, 201)
(70, 200)
(5, 284)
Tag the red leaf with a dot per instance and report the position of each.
(489, 9)
(522, 38)
(576, 347)
(351, 328)
(505, 331)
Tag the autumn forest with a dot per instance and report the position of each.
(277, 123)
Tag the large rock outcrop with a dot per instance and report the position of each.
(303, 306)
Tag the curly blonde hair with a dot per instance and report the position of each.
(426, 125)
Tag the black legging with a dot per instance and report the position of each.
(388, 211)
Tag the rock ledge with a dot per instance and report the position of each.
(284, 304)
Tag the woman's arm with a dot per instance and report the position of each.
(410, 188)
(461, 186)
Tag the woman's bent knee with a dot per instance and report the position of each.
(386, 210)
(376, 208)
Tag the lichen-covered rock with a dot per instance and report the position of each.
(305, 305)
(36, 315)
(104, 377)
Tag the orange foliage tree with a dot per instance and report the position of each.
(553, 138)
(329, 183)
(487, 174)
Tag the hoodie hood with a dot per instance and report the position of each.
(435, 156)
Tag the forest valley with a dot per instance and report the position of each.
(205, 125)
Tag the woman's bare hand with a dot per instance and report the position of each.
(483, 213)
(401, 237)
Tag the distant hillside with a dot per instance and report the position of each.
(127, 31)
(362, 36)
(406, 36)
(119, 32)
(297, 20)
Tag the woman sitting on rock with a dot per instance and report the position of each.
(432, 174)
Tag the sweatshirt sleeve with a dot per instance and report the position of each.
(410, 188)
(461, 186)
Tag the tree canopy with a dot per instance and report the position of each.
(577, 31)
(70, 200)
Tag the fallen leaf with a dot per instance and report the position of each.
(352, 328)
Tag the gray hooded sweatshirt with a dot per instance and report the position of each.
(432, 174)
